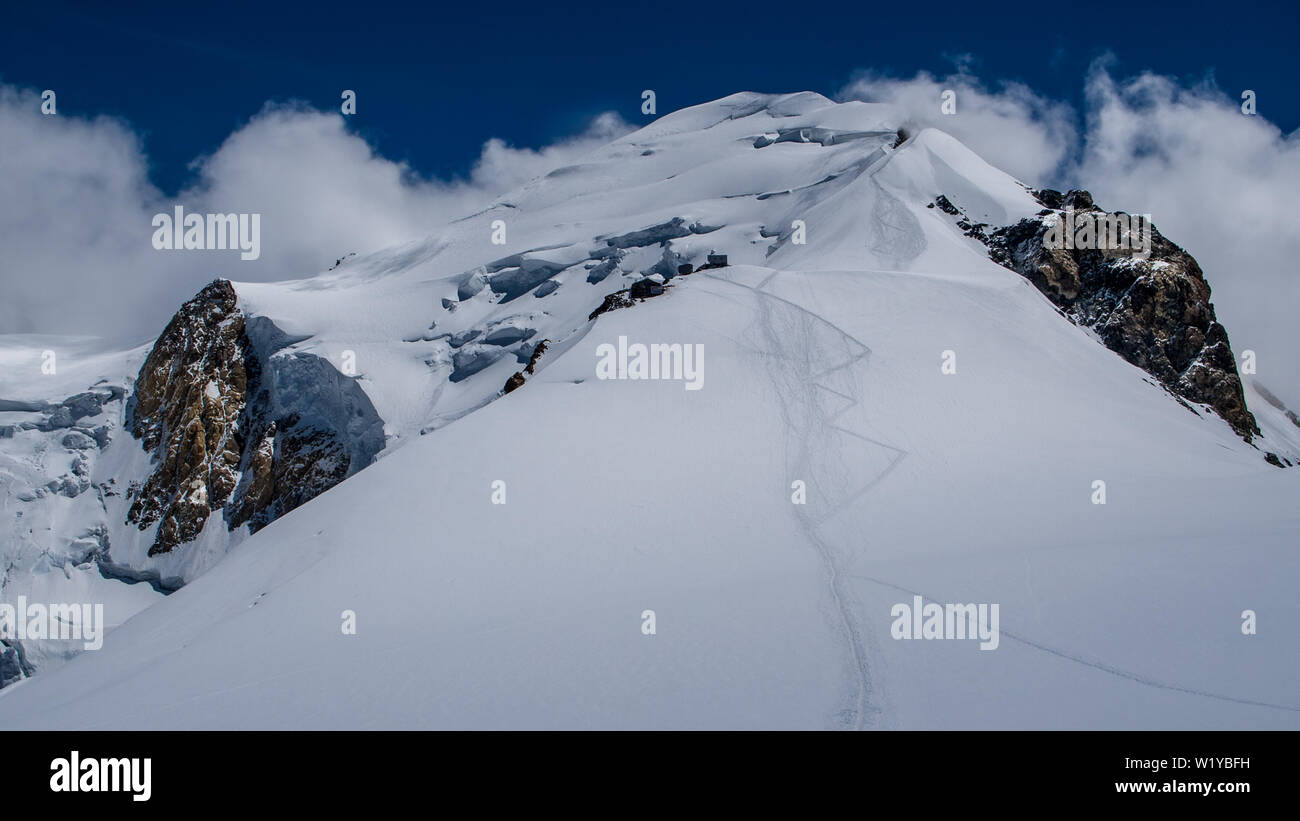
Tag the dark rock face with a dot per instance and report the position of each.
(616, 300)
(233, 428)
(1154, 312)
(645, 288)
(515, 382)
(517, 379)
(188, 398)
(945, 206)
(308, 428)
(13, 663)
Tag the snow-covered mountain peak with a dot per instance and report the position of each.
(776, 180)
(879, 321)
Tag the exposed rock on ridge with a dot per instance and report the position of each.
(188, 398)
(233, 427)
(1154, 312)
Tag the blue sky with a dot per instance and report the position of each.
(436, 80)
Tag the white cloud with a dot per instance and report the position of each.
(1217, 182)
(1013, 128)
(73, 195)
(502, 168)
(76, 209)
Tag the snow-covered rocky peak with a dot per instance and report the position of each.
(818, 246)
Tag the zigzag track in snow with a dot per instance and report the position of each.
(811, 430)
(811, 523)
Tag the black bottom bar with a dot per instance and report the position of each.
(556, 770)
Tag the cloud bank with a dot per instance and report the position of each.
(76, 207)
(1215, 180)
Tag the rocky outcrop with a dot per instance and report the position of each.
(235, 428)
(13, 663)
(517, 379)
(1152, 309)
(308, 427)
(188, 398)
(612, 302)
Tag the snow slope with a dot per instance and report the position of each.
(821, 365)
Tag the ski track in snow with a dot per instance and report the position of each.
(1097, 664)
(810, 449)
(811, 426)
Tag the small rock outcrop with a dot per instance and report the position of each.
(612, 302)
(13, 663)
(517, 379)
